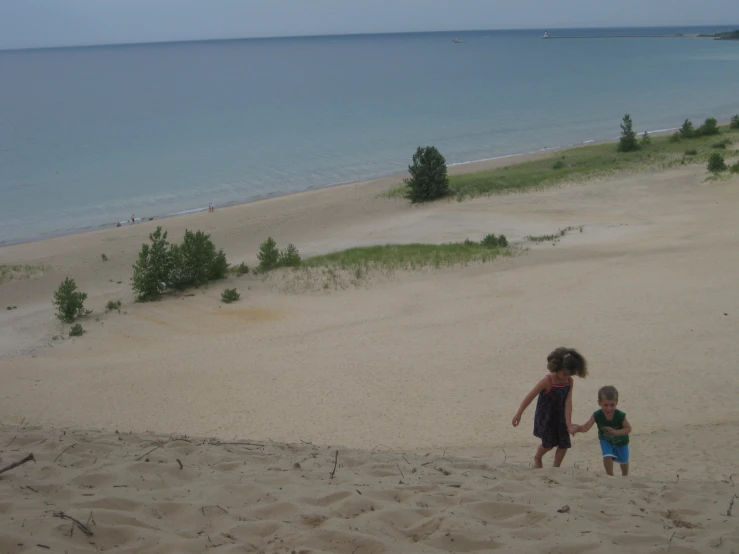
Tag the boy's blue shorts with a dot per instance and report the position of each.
(620, 454)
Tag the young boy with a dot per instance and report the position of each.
(613, 430)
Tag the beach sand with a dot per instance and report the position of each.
(407, 375)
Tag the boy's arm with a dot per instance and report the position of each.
(585, 427)
(540, 386)
(625, 429)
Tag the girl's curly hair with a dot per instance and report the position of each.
(567, 359)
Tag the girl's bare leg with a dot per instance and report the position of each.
(537, 457)
(608, 464)
(559, 455)
(625, 469)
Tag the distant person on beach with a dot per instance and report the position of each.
(613, 430)
(553, 417)
(211, 207)
(133, 219)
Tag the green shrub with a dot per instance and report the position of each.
(69, 303)
(646, 140)
(709, 128)
(721, 144)
(559, 164)
(76, 330)
(290, 257)
(675, 137)
(687, 131)
(195, 261)
(428, 175)
(627, 142)
(494, 242)
(151, 272)
(229, 295)
(734, 122)
(691, 152)
(113, 305)
(268, 256)
(239, 270)
(716, 163)
(734, 168)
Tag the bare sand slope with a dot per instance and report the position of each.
(647, 291)
(132, 495)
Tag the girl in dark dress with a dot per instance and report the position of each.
(553, 417)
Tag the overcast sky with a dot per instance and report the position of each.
(33, 23)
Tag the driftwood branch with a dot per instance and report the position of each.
(81, 526)
(336, 461)
(179, 462)
(400, 470)
(442, 470)
(728, 512)
(18, 463)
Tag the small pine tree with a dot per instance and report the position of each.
(627, 142)
(69, 303)
(151, 272)
(290, 257)
(428, 175)
(716, 163)
(646, 140)
(195, 261)
(268, 256)
(734, 122)
(687, 131)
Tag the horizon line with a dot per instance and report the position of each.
(324, 35)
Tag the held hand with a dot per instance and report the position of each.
(516, 420)
(609, 430)
(572, 428)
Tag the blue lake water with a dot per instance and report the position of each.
(89, 136)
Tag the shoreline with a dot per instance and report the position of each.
(470, 166)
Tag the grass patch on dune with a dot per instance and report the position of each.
(18, 272)
(579, 164)
(362, 266)
(408, 256)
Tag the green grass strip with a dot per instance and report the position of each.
(579, 164)
(408, 256)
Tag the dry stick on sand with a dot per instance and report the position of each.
(16, 464)
(400, 470)
(63, 451)
(336, 461)
(728, 512)
(150, 451)
(82, 527)
(179, 462)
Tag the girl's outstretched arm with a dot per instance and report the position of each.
(540, 386)
(568, 405)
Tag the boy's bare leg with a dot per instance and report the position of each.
(559, 455)
(625, 469)
(537, 457)
(608, 464)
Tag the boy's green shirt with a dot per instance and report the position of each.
(616, 423)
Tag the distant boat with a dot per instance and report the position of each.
(546, 35)
(458, 41)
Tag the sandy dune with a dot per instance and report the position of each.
(133, 496)
(427, 362)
